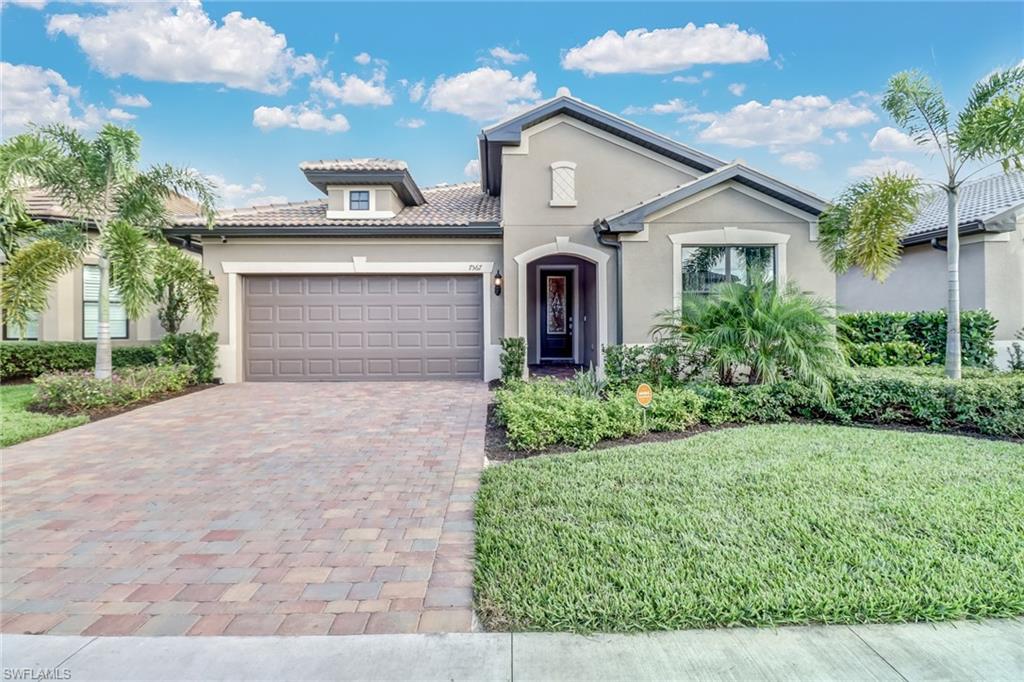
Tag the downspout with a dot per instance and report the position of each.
(601, 231)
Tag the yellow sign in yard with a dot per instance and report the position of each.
(644, 394)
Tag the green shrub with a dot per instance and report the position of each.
(751, 403)
(658, 364)
(759, 333)
(586, 384)
(927, 328)
(513, 358)
(27, 359)
(193, 348)
(545, 412)
(1016, 363)
(887, 354)
(80, 391)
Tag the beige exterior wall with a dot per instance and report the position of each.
(611, 174)
(991, 277)
(728, 212)
(62, 319)
(229, 262)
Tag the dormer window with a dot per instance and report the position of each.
(359, 200)
(563, 183)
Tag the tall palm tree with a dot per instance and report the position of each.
(867, 222)
(99, 184)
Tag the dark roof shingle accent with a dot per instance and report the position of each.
(980, 201)
(446, 206)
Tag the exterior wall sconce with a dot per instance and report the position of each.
(498, 281)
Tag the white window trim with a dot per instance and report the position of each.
(563, 203)
(372, 213)
(725, 236)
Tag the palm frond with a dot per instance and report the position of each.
(175, 269)
(29, 275)
(916, 104)
(991, 125)
(131, 254)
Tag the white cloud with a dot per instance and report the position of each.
(416, 91)
(362, 58)
(32, 4)
(890, 139)
(843, 136)
(506, 56)
(301, 116)
(563, 91)
(737, 89)
(803, 160)
(117, 114)
(665, 50)
(179, 42)
(410, 123)
(882, 165)
(356, 91)
(32, 94)
(799, 120)
(484, 94)
(472, 169)
(235, 194)
(704, 75)
(139, 101)
(673, 106)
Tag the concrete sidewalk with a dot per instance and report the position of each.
(990, 650)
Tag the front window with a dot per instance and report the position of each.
(31, 332)
(704, 267)
(91, 306)
(359, 200)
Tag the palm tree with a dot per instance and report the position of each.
(99, 184)
(770, 332)
(867, 222)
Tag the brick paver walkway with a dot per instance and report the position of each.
(250, 509)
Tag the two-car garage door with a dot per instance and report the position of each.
(359, 328)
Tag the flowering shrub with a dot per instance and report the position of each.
(81, 391)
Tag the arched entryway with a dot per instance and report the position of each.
(563, 303)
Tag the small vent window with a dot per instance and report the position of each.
(359, 200)
(563, 183)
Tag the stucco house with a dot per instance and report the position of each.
(583, 226)
(72, 305)
(991, 259)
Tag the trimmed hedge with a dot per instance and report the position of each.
(543, 412)
(27, 359)
(540, 414)
(888, 354)
(927, 328)
(73, 392)
(657, 364)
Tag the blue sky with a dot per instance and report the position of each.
(245, 91)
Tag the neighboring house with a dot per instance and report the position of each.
(72, 306)
(582, 228)
(991, 259)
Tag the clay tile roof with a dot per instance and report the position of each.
(41, 205)
(446, 206)
(354, 165)
(980, 200)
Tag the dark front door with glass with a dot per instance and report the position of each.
(557, 326)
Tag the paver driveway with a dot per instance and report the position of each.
(250, 509)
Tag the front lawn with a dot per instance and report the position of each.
(17, 424)
(760, 525)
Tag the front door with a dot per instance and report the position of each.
(556, 315)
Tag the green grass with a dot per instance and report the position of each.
(759, 525)
(17, 424)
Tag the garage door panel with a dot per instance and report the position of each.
(351, 327)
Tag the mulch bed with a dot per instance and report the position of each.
(114, 410)
(496, 441)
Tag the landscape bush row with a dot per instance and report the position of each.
(75, 392)
(545, 413)
(892, 331)
(28, 359)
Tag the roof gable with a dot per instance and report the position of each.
(510, 132)
(632, 219)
